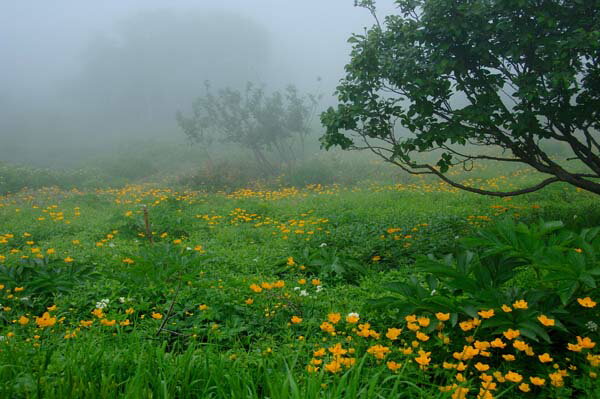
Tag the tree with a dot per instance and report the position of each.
(459, 76)
(252, 119)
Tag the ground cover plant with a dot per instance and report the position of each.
(371, 290)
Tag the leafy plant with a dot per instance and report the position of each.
(486, 272)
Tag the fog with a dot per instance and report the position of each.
(79, 78)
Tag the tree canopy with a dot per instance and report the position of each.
(252, 119)
(457, 77)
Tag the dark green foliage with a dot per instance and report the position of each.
(485, 273)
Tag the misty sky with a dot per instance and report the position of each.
(77, 72)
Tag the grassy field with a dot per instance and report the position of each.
(266, 293)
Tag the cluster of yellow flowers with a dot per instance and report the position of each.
(499, 359)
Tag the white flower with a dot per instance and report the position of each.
(188, 248)
(2, 337)
(591, 326)
(303, 293)
(433, 292)
(324, 244)
(296, 288)
(100, 305)
(122, 299)
(319, 288)
(112, 245)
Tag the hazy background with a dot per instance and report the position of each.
(79, 79)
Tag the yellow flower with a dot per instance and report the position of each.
(45, 320)
(393, 366)
(520, 304)
(108, 323)
(68, 259)
(334, 317)
(19, 289)
(203, 307)
(481, 366)
(333, 367)
(423, 359)
(574, 347)
(486, 314)
(511, 334)
(379, 351)
(86, 323)
(497, 343)
(509, 358)
(524, 387)
(249, 301)
(442, 316)
(128, 261)
(316, 281)
(129, 311)
(545, 358)
(319, 353)
(537, 381)
(327, 327)
(124, 323)
(376, 258)
(393, 333)
(513, 377)
(586, 302)
(422, 337)
(98, 313)
(546, 321)
(336, 350)
(423, 321)
(255, 288)
(466, 325)
(177, 241)
(51, 308)
(50, 251)
(352, 318)
(585, 343)
(290, 261)
(296, 320)
(302, 281)
(157, 316)
(23, 320)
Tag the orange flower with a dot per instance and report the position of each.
(333, 367)
(520, 304)
(296, 320)
(442, 316)
(334, 317)
(393, 366)
(486, 314)
(513, 377)
(546, 321)
(393, 333)
(255, 288)
(327, 327)
(45, 320)
(545, 358)
(511, 334)
(537, 381)
(586, 302)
